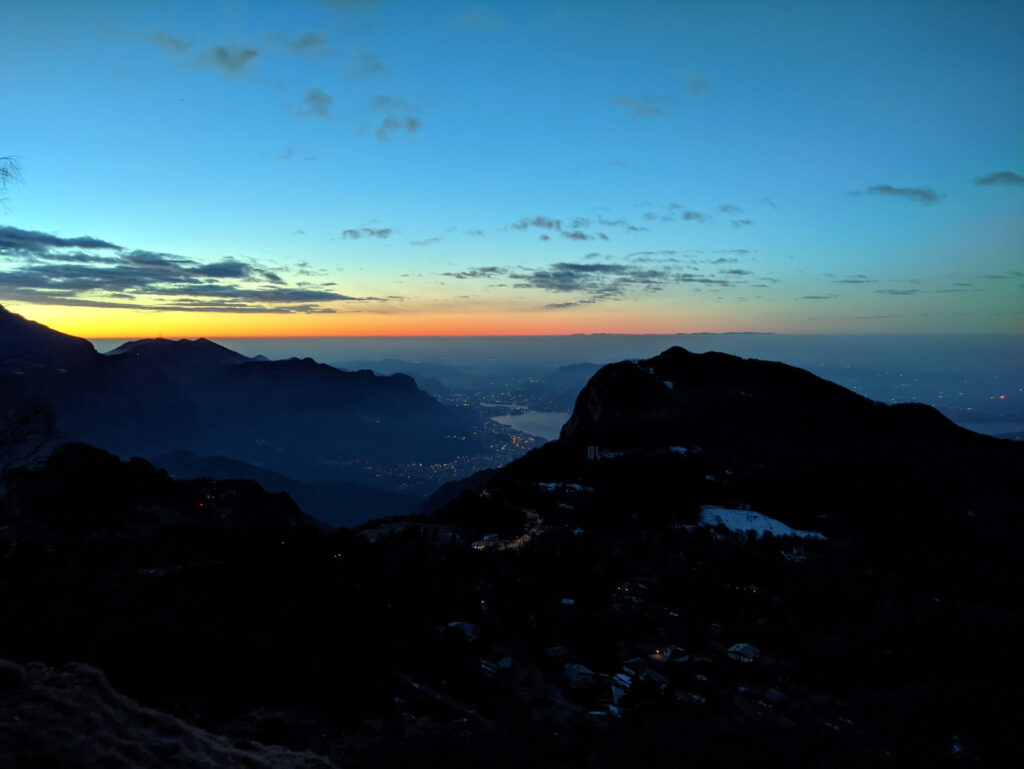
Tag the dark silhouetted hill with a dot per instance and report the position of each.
(296, 417)
(776, 435)
(337, 504)
(82, 491)
(453, 489)
(179, 357)
(27, 346)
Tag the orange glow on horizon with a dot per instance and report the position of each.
(92, 323)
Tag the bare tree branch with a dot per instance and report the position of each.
(10, 173)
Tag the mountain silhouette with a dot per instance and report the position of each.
(177, 357)
(299, 418)
(770, 431)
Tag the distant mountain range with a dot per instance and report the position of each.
(298, 418)
(552, 390)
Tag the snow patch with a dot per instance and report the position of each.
(743, 521)
(555, 486)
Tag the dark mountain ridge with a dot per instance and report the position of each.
(181, 356)
(788, 437)
(296, 417)
(25, 344)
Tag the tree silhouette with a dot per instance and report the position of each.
(10, 173)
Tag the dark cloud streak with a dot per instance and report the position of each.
(916, 194)
(230, 59)
(390, 125)
(317, 103)
(639, 107)
(366, 65)
(310, 41)
(31, 241)
(42, 268)
(367, 232)
(169, 43)
(1000, 177)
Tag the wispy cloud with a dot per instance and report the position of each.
(639, 107)
(366, 65)
(572, 229)
(693, 216)
(1000, 177)
(229, 59)
(317, 103)
(695, 84)
(308, 43)
(597, 280)
(538, 221)
(620, 223)
(855, 279)
(388, 103)
(425, 242)
(593, 282)
(915, 194)
(367, 232)
(477, 272)
(31, 242)
(43, 268)
(391, 125)
(169, 43)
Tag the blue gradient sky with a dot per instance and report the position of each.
(258, 168)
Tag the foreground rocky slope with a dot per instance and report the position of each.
(71, 716)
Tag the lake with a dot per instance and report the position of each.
(545, 424)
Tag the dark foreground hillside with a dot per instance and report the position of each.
(70, 716)
(599, 603)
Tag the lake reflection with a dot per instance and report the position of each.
(545, 424)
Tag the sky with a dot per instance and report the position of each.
(331, 168)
